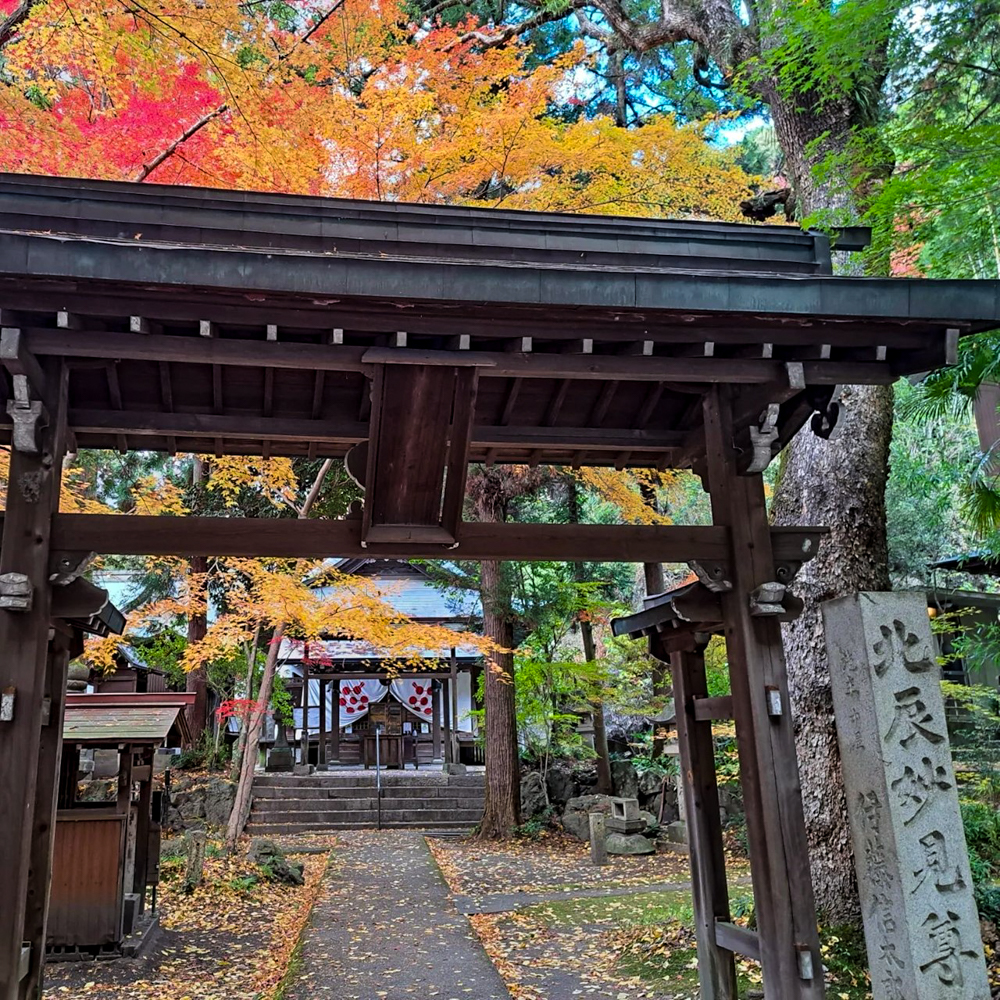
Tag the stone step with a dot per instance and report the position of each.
(369, 816)
(429, 775)
(288, 829)
(265, 806)
(329, 793)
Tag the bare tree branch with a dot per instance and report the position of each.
(148, 168)
(313, 28)
(15, 19)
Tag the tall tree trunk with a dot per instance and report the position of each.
(502, 812)
(840, 484)
(244, 789)
(656, 584)
(604, 784)
(197, 679)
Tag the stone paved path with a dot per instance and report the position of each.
(385, 928)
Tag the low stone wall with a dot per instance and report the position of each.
(570, 792)
(199, 801)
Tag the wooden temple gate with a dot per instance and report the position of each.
(417, 339)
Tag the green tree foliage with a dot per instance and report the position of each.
(931, 458)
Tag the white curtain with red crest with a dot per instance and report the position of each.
(357, 696)
(415, 696)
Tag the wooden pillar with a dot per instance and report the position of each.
(779, 853)
(335, 721)
(46, 803)
(716, 967)
(453, 688)
(304, 705)
(436, 721)
(32, 496)
(449, 756)
(143, 810)
(321, 752)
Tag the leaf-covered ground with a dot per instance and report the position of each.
(624, 945)
(230, 939)
(549, 863)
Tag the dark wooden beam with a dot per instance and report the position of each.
(713, 709)
(737, 939)
(279, 354)
(46, 795)
(709, 890)
(779, 850)
(24, 640)
(289, 538)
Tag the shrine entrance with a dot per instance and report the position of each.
(417, 340)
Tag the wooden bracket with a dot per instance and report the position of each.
(65, 567)
(27, 408)
(826, 422)
(715, 574)
(763, 437)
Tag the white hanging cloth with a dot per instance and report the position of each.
(415, 696)
(357, 697)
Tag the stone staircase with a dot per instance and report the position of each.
(286, 804)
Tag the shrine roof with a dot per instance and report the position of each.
(201, 320)
(122, 718)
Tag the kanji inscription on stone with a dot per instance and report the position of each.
(921, 923)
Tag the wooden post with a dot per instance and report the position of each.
(453, 689)
(449, 757)
(32, 497)
(436, 721)
(46, 803)
(304, 705)
(321, 752)
(335, 721)
(779, 851)
(142, 827)
(716, 967)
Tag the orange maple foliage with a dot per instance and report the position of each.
(345, 97)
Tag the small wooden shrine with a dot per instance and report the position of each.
(345, 690)
(418, 339)
(106, 856)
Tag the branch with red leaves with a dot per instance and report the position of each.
(148, 168)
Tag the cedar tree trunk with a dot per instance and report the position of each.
(197, 679)
(502, 811)
(840, 484)
(605, 786)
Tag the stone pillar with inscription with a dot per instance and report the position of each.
(921, 922)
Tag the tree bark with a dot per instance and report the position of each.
(840, 484)
(502, 812)
(605, 785)
(197, 679)
(244, 790)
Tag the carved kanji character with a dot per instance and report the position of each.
(946, 944)
(898, 642)
(916, 786)
(946, 878)
(912, 719)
